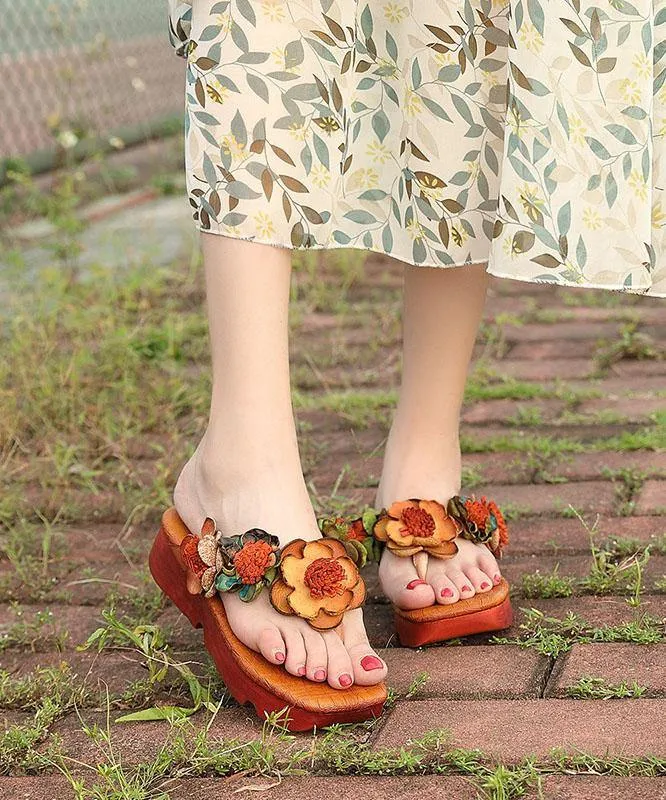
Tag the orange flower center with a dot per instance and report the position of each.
(324, 578)
(357, 530)
(418, 522)
(477, 512)
(191, 557)
(252, 561)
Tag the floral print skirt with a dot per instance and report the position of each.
(529, 134)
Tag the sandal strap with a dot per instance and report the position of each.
(315, 580)
(412, 526)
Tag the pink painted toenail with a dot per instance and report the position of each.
(466, 589)
(320, 675)
(485, 585)
(371, 662)
(446, 593)
(279, 657)
(414, 583)
(497, 579)
(345, 680)
(301, 670)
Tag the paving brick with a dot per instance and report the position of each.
(546, 370)
(549, 332)
(137, 742)
(615, 663)
(36, 788)
(510, 730)
(595, 611)
(468, 672)
(602, 787)
(502, 411)
(624, 407)
(539, 499)
(591, 465)
(648, 385)
(564, 535)
(399, 787)
(652, 499)
(640, 368)
(66, 624)
(556, 348)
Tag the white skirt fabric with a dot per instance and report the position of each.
(528, 134)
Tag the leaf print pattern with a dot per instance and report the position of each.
(524, 133)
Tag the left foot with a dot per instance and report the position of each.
(473, 570)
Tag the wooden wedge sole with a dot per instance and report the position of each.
(489, 611)
(246, 674)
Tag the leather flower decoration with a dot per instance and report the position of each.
(317, 581)
(355, 533)
(412, 526)
(481, 521)
(243, 564)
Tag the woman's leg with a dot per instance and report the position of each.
(441, 314)
(246, 471)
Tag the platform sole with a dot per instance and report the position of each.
(482, 613)
(248, 677)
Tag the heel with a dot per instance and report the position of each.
(170, 577)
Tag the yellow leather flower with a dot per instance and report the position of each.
(410, 526)
(317, 581)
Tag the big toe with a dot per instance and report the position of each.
(402, 585)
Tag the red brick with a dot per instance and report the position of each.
(615, 663)
(554, 331)
(640, 368)
(503, 411)
(587, 466)
(137, 742)
(374, 787)
(595, 611)
(511, 730)
(553, 536)
(602, 787)
(537, 499)
(468, 672)
(36, 788)
(552, 369)
(554, 349)
(628, 408)
(621, 385)
(75, 623)
(652, 499)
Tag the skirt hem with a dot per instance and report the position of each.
(643, 291)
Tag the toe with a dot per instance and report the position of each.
(271, 645)
(340, 671)
(295, 661)
(488, 564)
(479, 580)
(401, 584)
(462, 583)
(445, 589)
(316, 658)
(368, 667)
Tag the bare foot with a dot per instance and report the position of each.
(275, 500)
(471, 571)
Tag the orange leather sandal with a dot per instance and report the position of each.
(418, 529)
(313, 580)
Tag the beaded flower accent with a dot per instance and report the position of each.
(481, 521)
(318, 581)
(412, 526)
(243, 564)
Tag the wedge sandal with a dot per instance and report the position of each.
(419, 529)
(316, 581)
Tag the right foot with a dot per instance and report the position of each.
(271, 501)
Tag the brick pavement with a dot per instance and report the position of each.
(509, 701)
